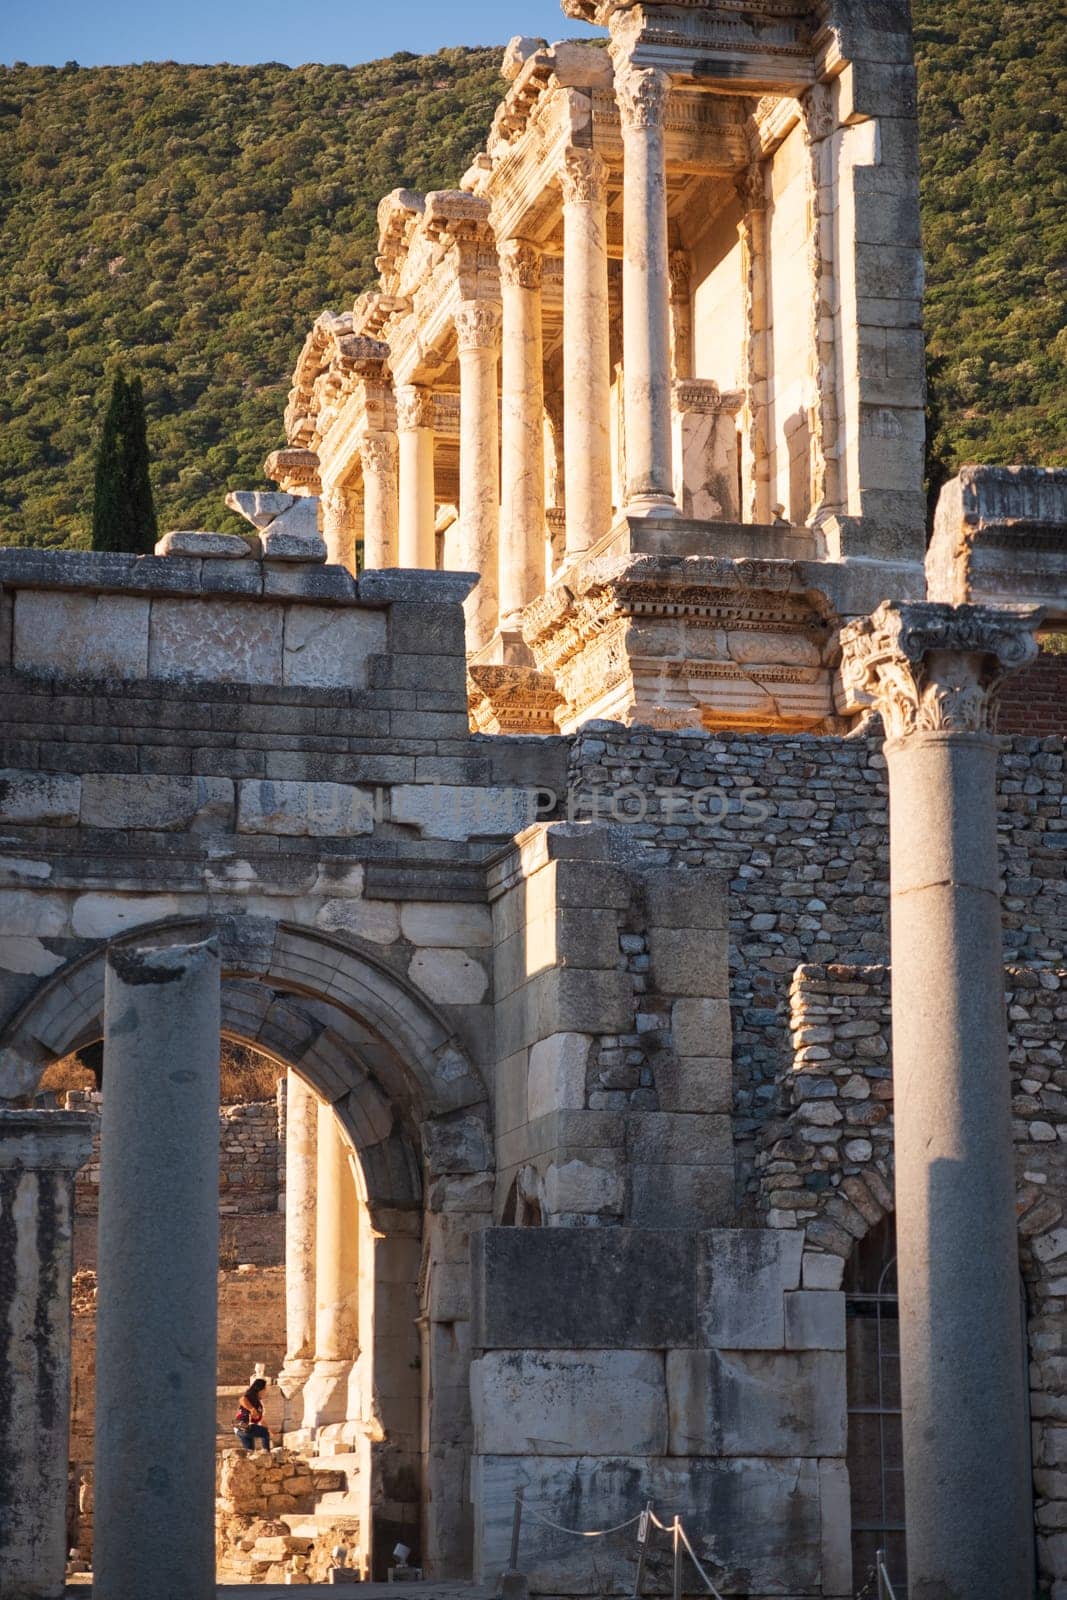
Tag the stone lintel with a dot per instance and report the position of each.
(932, 668)
(1000, 535)
(50, 1141)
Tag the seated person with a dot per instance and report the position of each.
(248, 1418)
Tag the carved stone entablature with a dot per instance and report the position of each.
(455, 213)
(936, 668)
(477, 324)
(367, 358)
(509, 699)
(295, 471)
(699, 642)
(414, 407)
(520, 264)
(582, 176)
(704, 395)
(642, 94)
(398, 213)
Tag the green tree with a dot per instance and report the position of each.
(124, 516)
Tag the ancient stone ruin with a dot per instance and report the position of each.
(531, 786)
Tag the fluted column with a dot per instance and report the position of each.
(418, 506)
(522, 421)
(934, 672)
(642, 94)
(378, 452)
(478, 340)
(301, 1155)
(586, 366)
(336, 1276)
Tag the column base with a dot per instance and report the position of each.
(651, 504)
(291, 1382)
(326, 1394)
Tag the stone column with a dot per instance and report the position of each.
(522, 423)
(378, 452)
(40, 1151)
(934, 672)
(756, 458)
(418, 504)
(336, 1276)
(342, 524)
(586, 365)
(642, 96)
(157, 1304)
(301, 1147)
(478, 338)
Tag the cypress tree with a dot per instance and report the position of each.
(124, 516)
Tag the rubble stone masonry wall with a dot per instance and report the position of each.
(799, 826)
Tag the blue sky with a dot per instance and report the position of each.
(112, 32)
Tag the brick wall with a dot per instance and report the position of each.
(799, 824)
(1035, 701)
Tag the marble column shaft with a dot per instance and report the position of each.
(336, 1275)
(642, 94)
(752, 192)
(342, 524)
(418, 505)
(157, 1308)
(40, 1151)
(378, 452)
(934, 672)
(522, 442)
(587, 363)
(478, 339)
(301, 1157)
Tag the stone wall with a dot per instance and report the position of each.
(799, 825)
(1034, 701)
(251, 1156)
(267, 1529)
(826, 1165)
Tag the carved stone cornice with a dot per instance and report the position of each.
(520, 264)
(414, 407)
(477, 324)
(378, 452)
(582, 176)
(642, 94)
(295, 471)
(936, 668)
(510, 699)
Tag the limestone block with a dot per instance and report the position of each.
(701, 1027)
(43, 798)
(688, 961)
(695, 1083)
(376, 920)
(836, 1518)
(257, 507)
(459, 925)
(26, 954)
(742, 1278)
(572, 1000)
(815, 1320)
(559, 1403)
(580, 1187)
(822, 1271)
(456, 1144)
(129, 800)
(692, 899)
(756, 1403)
(226, 641)
(582, 1289)
(453, 811)
(451, 977)
(755, 1523)
(517, 52)
(683, 1195)
(303, 810)
(327, 647)
(557, 1073)
(664, 1138)
(66, 635)
(294, 534)
(100, 915)
(201, 546)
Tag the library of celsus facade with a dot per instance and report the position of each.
(531, 785)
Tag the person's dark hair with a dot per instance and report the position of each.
(255, 1389)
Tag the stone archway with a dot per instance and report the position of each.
(411, 1106)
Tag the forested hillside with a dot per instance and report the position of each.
(192, 221)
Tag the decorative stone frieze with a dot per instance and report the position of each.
(937, 668)
(507, 699)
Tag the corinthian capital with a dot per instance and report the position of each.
(414, 407)
(642, 95)
(520, 264)
(478, 324)
(751, 188)
(378, 452)
(936, 668)
(582, 176)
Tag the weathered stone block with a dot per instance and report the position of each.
(309, 810)
(701, 1027)
(556, 1076)
(695, 1083)
(588, 1183)
(225, 641)
(756, 1403)
(166, 804)
(41, 798)
(80, 635)
(689, 961)
(582, 1289)
(742, 1278)
(451, 977)
(681, 1196)
(326, 647)
(560, 1403)
(461, 926)
(666, 1138)
(198, 544)
(452, 811)
(815, 1320)
(691, 899)
(572, 1000)
(458, 1144)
